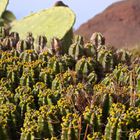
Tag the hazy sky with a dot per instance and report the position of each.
(84, 9)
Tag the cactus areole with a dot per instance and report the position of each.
(53, 22)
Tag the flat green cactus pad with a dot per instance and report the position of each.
(53, 22)
(3, 5)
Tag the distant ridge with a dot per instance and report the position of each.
(119, 23)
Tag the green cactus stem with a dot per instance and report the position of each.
(46, 75)
(84, 66)
(8, 122)
(97, 39)
(90, 51)
(114, 127)
(30, 39)
(8, 43)
(15, 35)
(56, 46)
(76, 50)
(70, 127)
(3, 32)
(57, 65)
(28, 56)
(41, 43)
(23, 45)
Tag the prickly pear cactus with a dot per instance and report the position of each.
(3, 5)
(53, 22)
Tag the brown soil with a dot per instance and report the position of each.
(119, 23)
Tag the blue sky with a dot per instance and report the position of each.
(84, 9)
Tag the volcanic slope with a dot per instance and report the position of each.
(119, 23)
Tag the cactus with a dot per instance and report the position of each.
(8, 121)
(69, 61)
(30, 39)
(46, 75)
(49, 122)
(6, 16)
(3, 6)
(56, 46)
(8, 43)
(54, 96)
(3, 32)
(123, 56)
(84, 66)
(62, 81)
(6, 96)
(30, 126)
(27, 79)
(23, 45)
(90, 51)
(28, 56)
(57, 64)
(115, 125)
(48, 97)
(98, 40)
(76, 50)
(95, 136)
(63, 16)
(41, 43)
(64, 106)
(106, 59)
(15, 35)
(92, 117)
(70, 127)
(24, 100)
(92, 78)
(14, 73)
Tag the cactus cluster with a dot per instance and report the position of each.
(91, 92)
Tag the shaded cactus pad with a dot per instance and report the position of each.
(3, 5)
(53, 22)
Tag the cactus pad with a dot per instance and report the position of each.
(53, 22)
(3, 5)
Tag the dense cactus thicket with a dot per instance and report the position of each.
(90, 93)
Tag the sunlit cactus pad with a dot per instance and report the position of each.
(3, 5)
(53, 22)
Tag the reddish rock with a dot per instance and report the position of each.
(119, 23)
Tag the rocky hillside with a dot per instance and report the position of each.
(119, 23)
